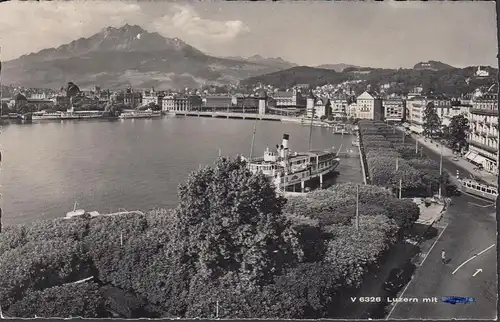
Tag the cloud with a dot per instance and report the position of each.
(27, 27)
(183, 19)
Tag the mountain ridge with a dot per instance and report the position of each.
(127, 55)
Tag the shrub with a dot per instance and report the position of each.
(40, 265)
(352, 251)
(66, 301)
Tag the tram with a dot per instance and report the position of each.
(479, 189)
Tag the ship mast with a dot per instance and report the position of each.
(1, 91)
(254, 130)
(1, 122)
(312, 119)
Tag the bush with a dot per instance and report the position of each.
(337, 205)
(40, 265)
(352, 252)
(66, 301)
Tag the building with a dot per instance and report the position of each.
(318, 107)
(339, 108)
(369, 106)
(246, 104)
(483, 134)
(168, 103)
(415, 107)
(481, 72)
(183, 103)
(394, 109)
(218, 102)
(352, 110)
(292, 99)
(152, 98)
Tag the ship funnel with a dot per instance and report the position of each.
(285, 141)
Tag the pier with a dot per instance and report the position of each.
(244, 116)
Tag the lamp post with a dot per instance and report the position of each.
(357, 207)
(440, 171)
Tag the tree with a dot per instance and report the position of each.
(66, 301)
(230, 221)
(456, 132)
(432, 123)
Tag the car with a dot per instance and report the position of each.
(399, 277)
(455, 158)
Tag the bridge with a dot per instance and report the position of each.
(244, 116)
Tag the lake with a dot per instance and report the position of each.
(130, 164)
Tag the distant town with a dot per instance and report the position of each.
(328, 103)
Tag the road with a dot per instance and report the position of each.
(448, 165)
(470, 229)
(467, 229)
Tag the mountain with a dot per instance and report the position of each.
(127, 56)
(336, 67)
(277, 62)
(432, 65)
(298, 75)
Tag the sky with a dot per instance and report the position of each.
(378, 34)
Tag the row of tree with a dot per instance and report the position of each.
(396, 164)
(232, 248)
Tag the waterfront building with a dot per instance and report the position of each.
(247, 104)
(319, 106)
(218, 102)
(369, 106)
(168, 103)
(483, 134)
(394, 109)
(339, 108)
(290, 99)
(185, 103)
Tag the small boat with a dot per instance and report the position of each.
(75, 212)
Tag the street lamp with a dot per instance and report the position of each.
(440, 170)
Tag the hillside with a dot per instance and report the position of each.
(117, 57)
(401, 81)
(432, 65)
(277, 62)
(337, 67)
(298, 75)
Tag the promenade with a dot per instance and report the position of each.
(244, 116)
